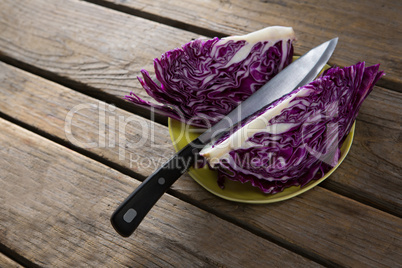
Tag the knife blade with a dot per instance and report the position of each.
(127, 217)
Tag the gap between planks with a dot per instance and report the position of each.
(85, 89)
(158, 18)
(12, 260)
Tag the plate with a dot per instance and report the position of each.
(181, 134)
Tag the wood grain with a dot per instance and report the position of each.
(6, 262)
(56, 202)
(79, 47)
(371, 172)
(373, 168)
(324, 220)
(56, 206)
(367, 30)
(333, 227)
(103, 58)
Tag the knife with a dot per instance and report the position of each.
(134, 208)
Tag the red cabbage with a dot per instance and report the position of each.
(302, 132)
(204, 80)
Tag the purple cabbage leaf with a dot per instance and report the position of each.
(298, 138)
(204, 80)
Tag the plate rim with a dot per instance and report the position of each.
(268, 198)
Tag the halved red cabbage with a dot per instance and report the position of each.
(298, 138)
(205, 79)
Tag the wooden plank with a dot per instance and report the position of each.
(315, 223)
(79, 47)
(368, 30)
(331, 226)
(8, 263)
(373, 168)
(56, 206)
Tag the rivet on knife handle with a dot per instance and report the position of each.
(132, 211)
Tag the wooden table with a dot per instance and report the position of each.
(69, 154)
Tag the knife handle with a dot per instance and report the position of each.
(132, 211)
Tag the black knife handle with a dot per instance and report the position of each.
(132, 211)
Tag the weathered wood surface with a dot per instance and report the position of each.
(56, 206)
(83, 49)
(79, 48)
(325, 220)
(373, 169)
(367, 30)
(80, 57)
(6, 262)
(56, 203)
(139, 145)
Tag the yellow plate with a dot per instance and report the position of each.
(181, 134)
